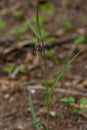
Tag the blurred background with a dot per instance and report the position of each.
(64, 29)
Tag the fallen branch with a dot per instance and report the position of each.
(59, 90)
(24, 46)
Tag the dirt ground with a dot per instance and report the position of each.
(15, 86)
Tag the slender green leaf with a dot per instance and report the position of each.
(60, 74)
(64, 100)
(80, 39)
(32, 28)
(83, 101)
(2, 24)
(9, 69)
(44, 127)
(33, 124)
(37, 18)
(17, 13)
(69, 100)
(33, 113)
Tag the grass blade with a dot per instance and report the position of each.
(33, 113)
(38, 122)
(37, 19)
(60, 74)
(44, 127)
(32, 28)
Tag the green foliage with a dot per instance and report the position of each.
(17, 13)
(83, 101)
(44, 127)
(42, 18)
(20, 29)
(82, 108)
(50, 52)
(48, 84)
(32, 28)
(58, 114)
(36, 123)
(81, 18)
(60, 74)
(33, 113)
(80, 39)
(56, 60)
(2, 23)
(69, 100)
(20, 69)
(49, 91)
(48, 7)
(76, 110)
(44, 34)
(9, 69)
(17, 31)
(34, 41)
(65, 24)
(49, 39)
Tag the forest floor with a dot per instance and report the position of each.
(65, 28)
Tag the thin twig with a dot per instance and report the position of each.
(59, 90)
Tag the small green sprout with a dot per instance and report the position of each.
(50, 52)
(81, 18)
(83, 103)
(20, 69)
(69, 100)
(50, 39)
(66, 24)
(80, 39)
(2, 23)
(9, 69)
(42, 18)
(48, 7)
(20, 29)
(17, 13)
(82, 108)
(48, 84)
(44, 36)
(34, 41)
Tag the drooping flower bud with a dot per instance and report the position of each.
(38, 48)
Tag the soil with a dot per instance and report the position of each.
(15, 113)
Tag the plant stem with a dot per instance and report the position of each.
(45, 65)
(47, 89)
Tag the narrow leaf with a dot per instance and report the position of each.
(38, 122)
(44, 127)
(60, 74)
(32, 28)
(37, 18)
(33, 113)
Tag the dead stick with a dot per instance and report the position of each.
(59, 90)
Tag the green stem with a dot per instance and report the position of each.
(47, 89)
(37, 18)
(45, 65)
